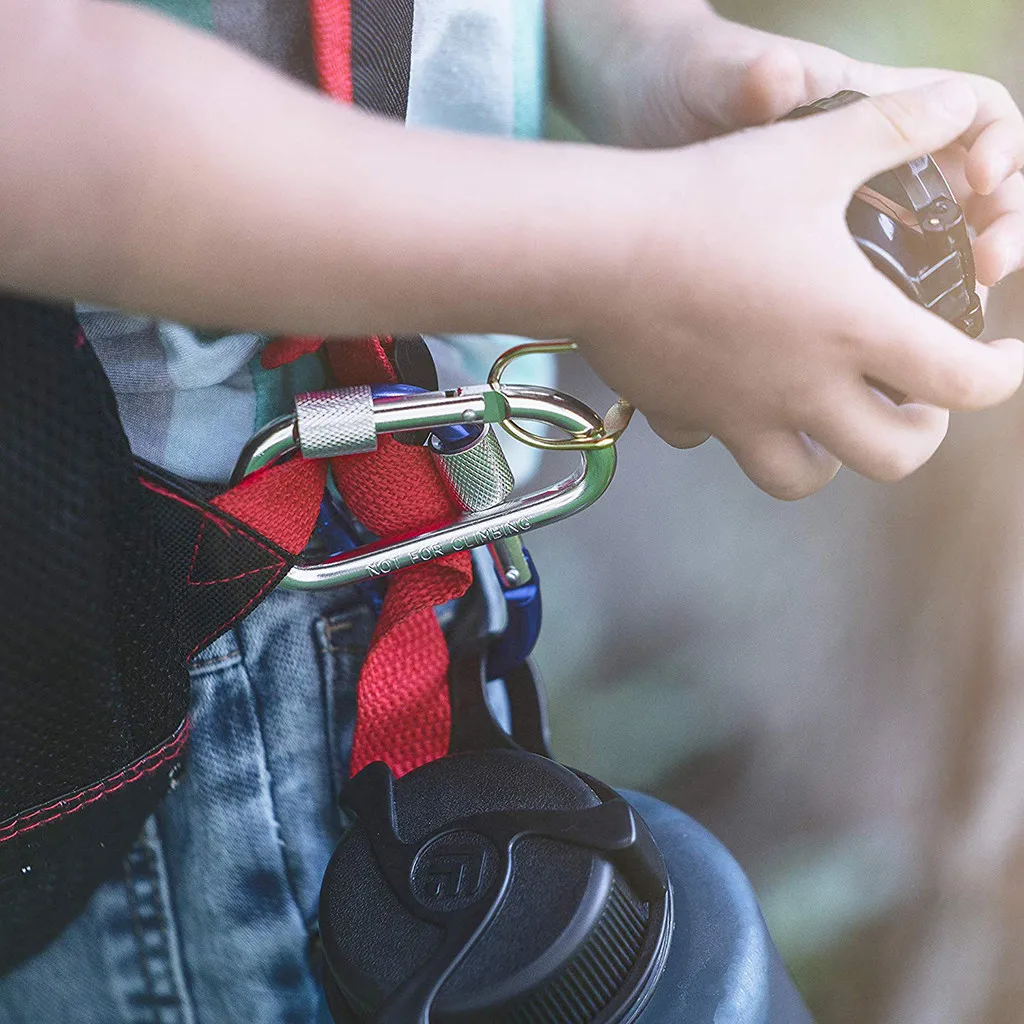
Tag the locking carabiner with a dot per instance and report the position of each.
(349, 420)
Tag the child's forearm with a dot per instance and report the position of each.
(148, 167)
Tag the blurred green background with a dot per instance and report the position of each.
(975, 36)
(831, 686)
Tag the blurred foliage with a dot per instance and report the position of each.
(942, 33)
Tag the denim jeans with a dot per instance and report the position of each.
(212, 919)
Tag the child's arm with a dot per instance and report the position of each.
(154, 168)
(145, 166)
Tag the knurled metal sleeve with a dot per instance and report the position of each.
(479, 477)
(336, 422)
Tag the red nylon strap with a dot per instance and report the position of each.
(281, 502)
(331, 26)
(284, 350)
(403, 714)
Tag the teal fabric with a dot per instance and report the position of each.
(276, 389)
(530, 68)
(197, 13)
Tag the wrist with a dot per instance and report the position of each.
(485, 236)
(547, 238)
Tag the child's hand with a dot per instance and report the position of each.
(678, 73)
(751, 314)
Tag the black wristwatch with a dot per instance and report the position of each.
(911, 227)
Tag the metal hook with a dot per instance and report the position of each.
(612, 426)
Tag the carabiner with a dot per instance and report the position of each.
(327, 424)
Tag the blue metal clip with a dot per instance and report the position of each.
(512, 647)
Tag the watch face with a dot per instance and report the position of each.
(891, 238)
(892, 210)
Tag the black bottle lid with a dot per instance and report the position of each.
(496, 887)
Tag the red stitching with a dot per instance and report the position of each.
(152, 762)
(274, 568)
(195, 551)
(240, 576)
(149, 485)
(220, 579)
(238, 615)
(169, 749)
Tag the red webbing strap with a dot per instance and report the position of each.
(282, 502)
(330, 22)
(403, 714)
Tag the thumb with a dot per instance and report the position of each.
(881, 132)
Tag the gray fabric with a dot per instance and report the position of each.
(141, 354)
(274, 31)
(129, 348)
(462, 73)
(187, 404)
(147, 421)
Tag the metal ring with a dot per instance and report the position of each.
(591, 441)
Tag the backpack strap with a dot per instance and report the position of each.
(115, 574)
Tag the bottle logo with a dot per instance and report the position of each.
(454, 870)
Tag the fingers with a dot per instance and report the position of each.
(1000, 250)
(995, 136)
(771, 85)
(880, 439)
(676, 436)
(998, 220)
(785, 464)
(995, 140)
(997, 153)
(922, 356)
(951, 162)
(865, 431)
(879, 133)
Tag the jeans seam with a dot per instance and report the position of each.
(328, 626)
(343, 649)
(160, 909)
(335, 625)
(175, 958)
(293, 888)
(140, 944)
(199, 666)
